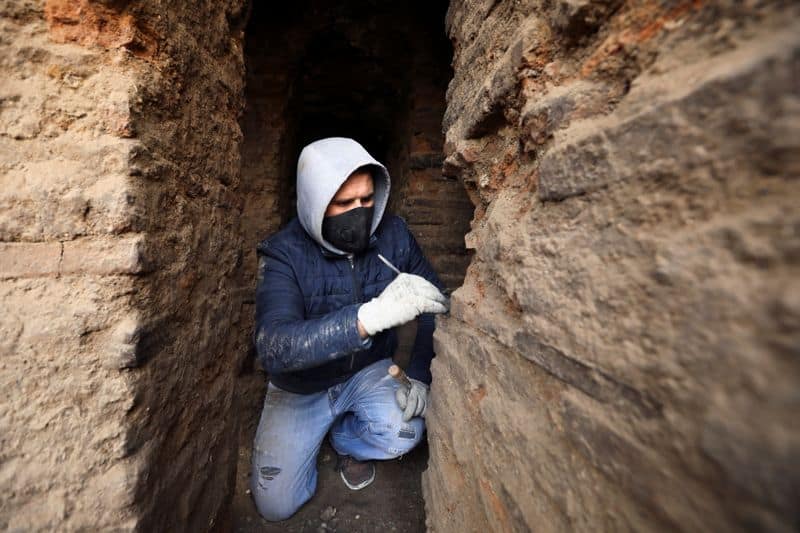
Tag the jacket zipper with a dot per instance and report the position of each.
(356, 293)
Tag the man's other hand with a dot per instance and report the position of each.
(405, 298)
(412, 400)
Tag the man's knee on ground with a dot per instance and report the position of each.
(275, 499)
(272, 512)
(274, 504)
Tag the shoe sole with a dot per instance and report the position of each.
(361, 485)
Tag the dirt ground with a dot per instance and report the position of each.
(392, 503)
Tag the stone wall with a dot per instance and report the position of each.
(623, 353)
(69, 255)
(119, 149)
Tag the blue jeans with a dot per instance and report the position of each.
(364, 422)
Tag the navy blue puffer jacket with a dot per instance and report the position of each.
(307, 302)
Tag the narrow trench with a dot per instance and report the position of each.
(376, 72)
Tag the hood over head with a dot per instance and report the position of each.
(323, 166)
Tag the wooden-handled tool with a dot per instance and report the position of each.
(397, 373)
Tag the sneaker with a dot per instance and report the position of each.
(355, 474)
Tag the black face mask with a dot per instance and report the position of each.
(350, 230)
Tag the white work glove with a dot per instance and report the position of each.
(405, 298)
(412, 400)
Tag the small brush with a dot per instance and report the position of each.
(389, 264)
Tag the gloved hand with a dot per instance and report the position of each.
(412, 400)
(406, 297)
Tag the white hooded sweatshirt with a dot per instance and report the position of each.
(322, 168)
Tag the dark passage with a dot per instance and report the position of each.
(376, 72)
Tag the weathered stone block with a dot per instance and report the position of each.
(619, 318)
(70, 200)
(120, 255)
(672, 131)
(48, 325)
(22, 260)
(76, 202)
(576, 169)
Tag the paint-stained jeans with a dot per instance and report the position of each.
(364, 422)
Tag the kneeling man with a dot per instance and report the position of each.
(333, 285)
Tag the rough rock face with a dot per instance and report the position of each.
(68, 259)
(623, 354)
(119, 145)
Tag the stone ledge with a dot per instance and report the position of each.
(92, 256)
(29, 260)
(672, 122)
(483, 113)
(103, 257)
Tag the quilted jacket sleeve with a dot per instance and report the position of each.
(285, 340)
(422, 353)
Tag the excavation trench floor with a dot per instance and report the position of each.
(392, 503)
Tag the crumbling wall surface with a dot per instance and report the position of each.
(69, 252)
(623, 354)
(118, 162)
(187, 169)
